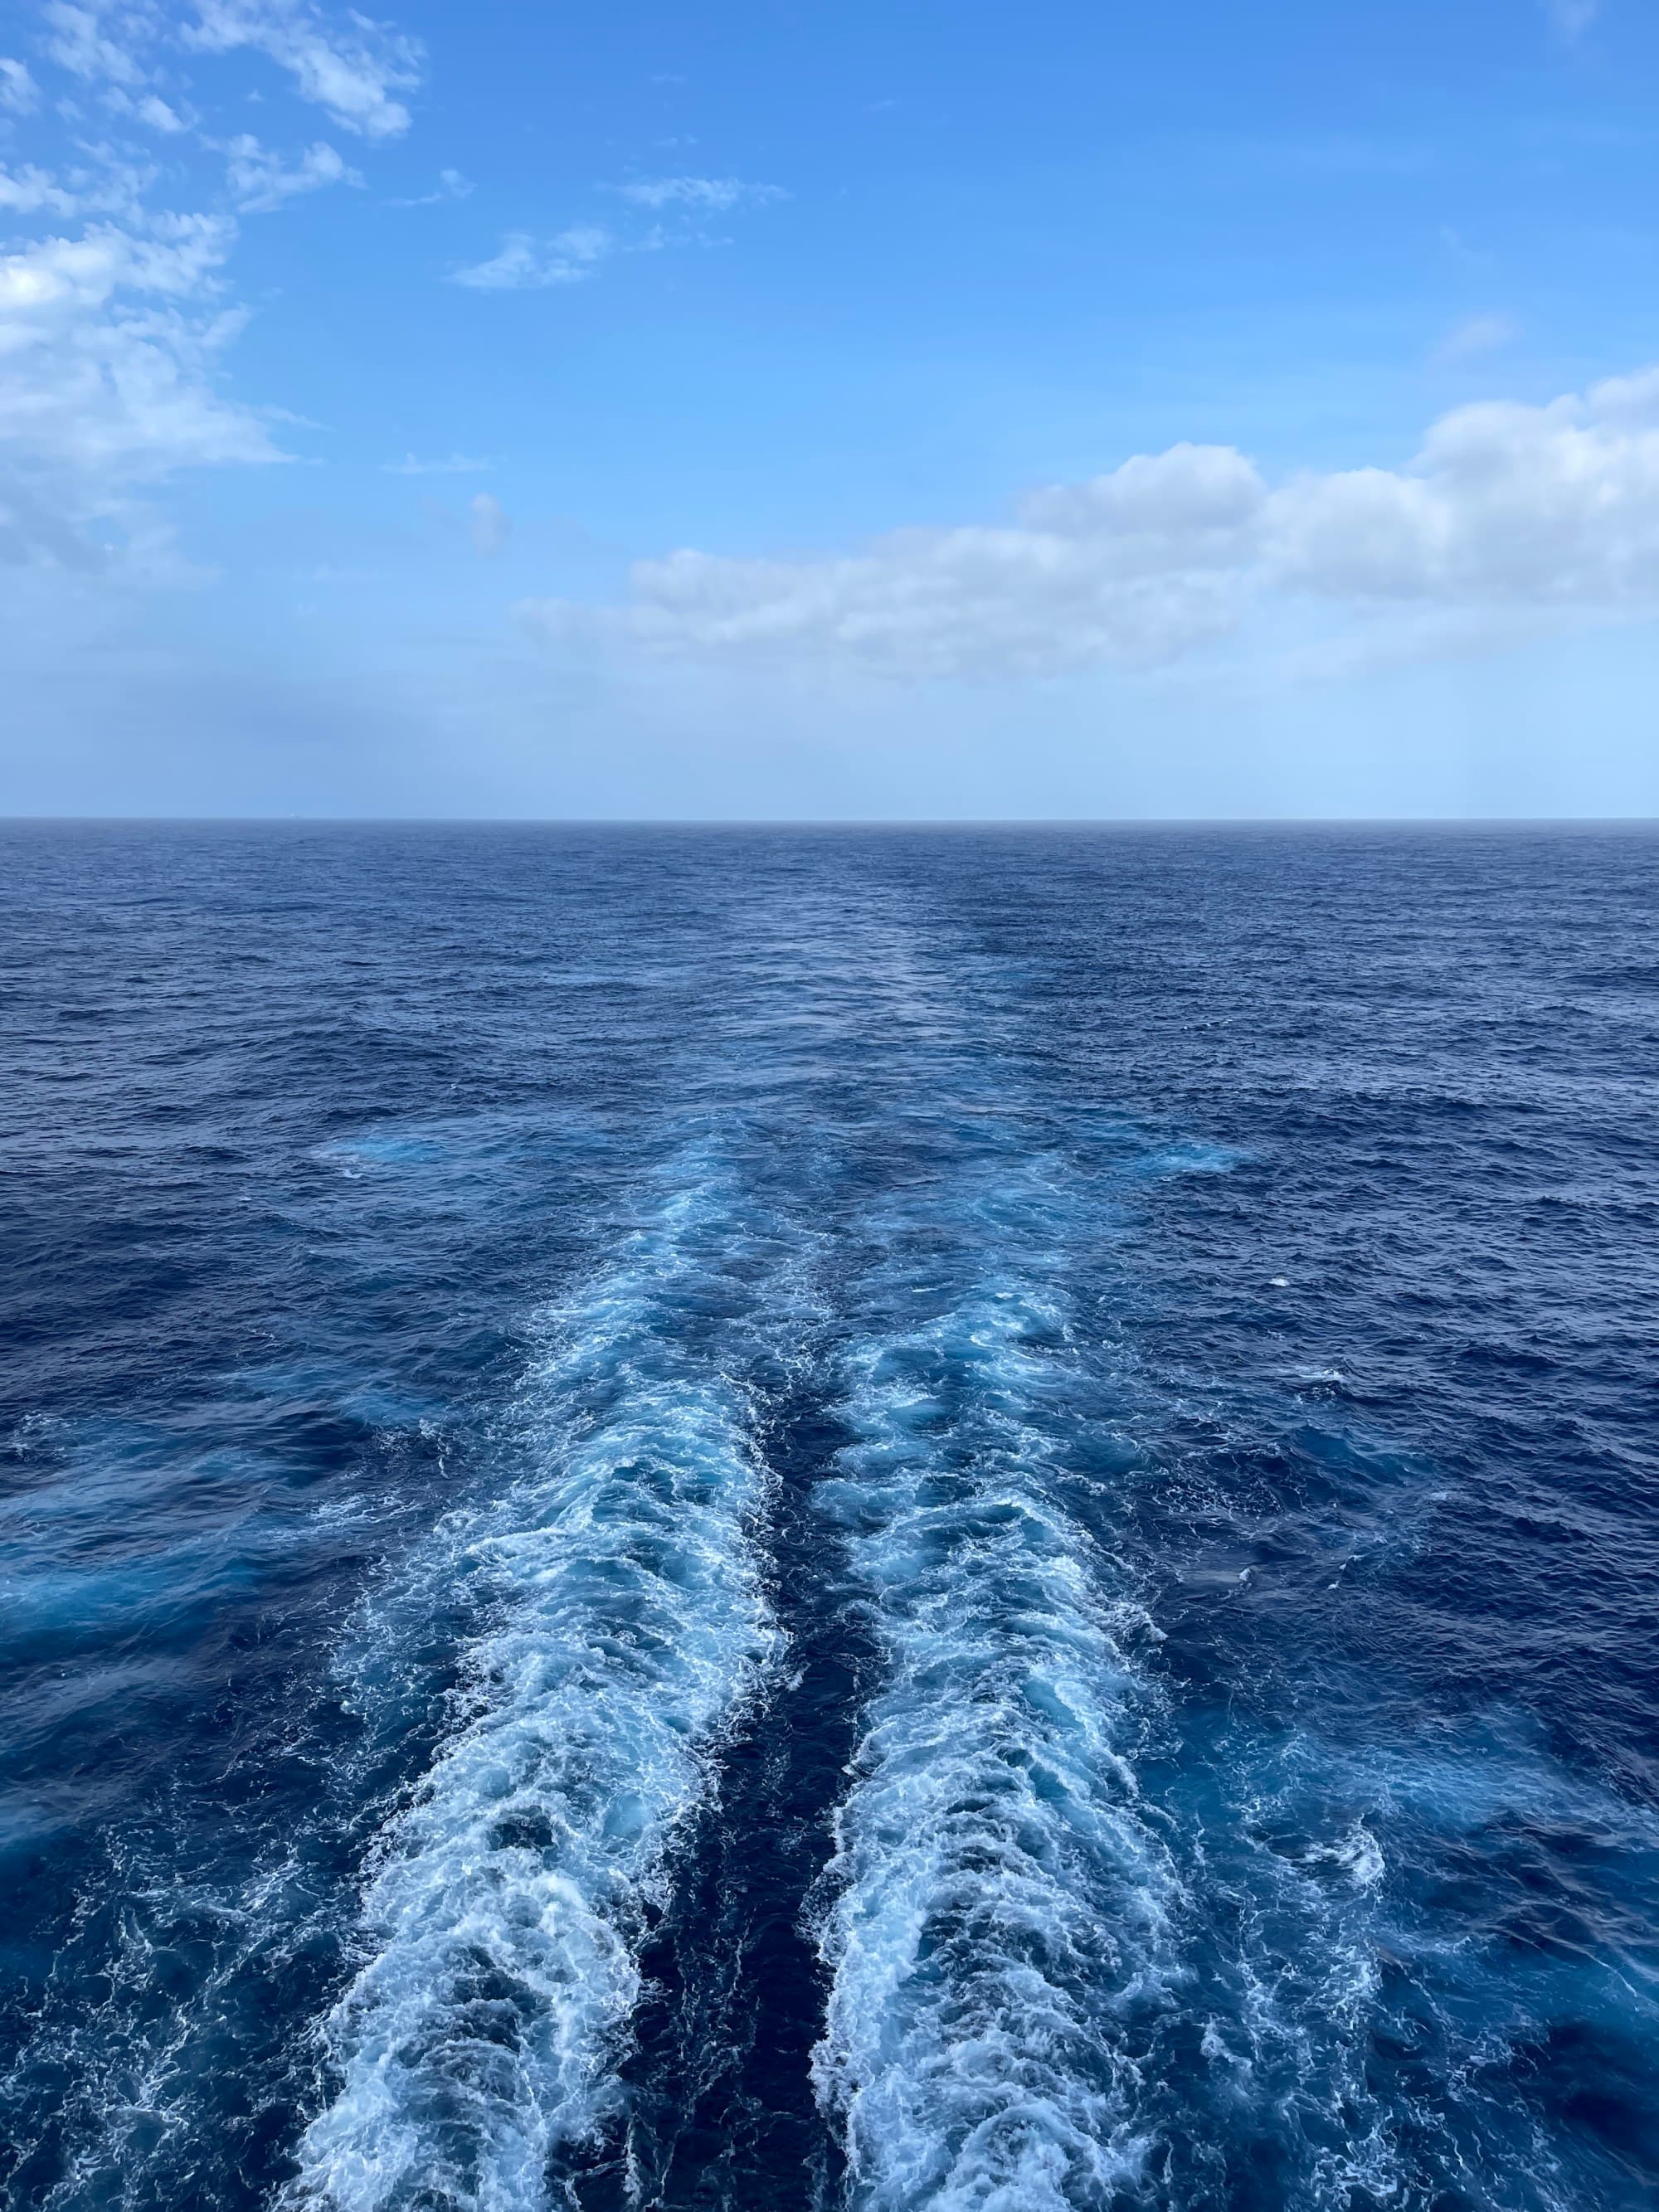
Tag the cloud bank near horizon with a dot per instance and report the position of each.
(1506, 506)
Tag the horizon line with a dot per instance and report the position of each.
(897, 822)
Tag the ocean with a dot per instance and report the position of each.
(830, 1518)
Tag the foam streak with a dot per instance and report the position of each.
(629, 1628)
(1000, 1902)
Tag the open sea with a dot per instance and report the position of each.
(835, 1520)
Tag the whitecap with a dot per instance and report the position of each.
(1357, 1855)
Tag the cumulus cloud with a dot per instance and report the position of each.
(111, 188)
(31, 190)
(259, 182)
(1506, 506)
(488, 525)
(351, 73)
(526, 264)
(1135, 566)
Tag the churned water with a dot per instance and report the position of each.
(829, 1519)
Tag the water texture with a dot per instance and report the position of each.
(844, 1520)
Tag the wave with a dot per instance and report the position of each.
(1001, 1903)
(627, 1627)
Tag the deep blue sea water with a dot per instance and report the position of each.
(961, 1519)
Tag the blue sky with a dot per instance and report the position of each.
(784, 411)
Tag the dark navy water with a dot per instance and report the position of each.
(960, 1519)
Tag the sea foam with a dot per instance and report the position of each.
(627, 1626)
(999, 1901)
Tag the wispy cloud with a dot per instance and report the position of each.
(353, 74)
(114, 333)
(1572, 18)
(527, 265)
(1478, 334)
(701, 195)
(1470, 257)
(351, 71)
(78, 41)
(452, 186)
(456, 465)
(488, 525)
(259, 182)
(19, 92)
(149, 109)
(112, 342)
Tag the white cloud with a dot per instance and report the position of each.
(701, 195)
(1628, 402)
(1478, 334)
(352, 74)
(113, 188)
(489, 526)
(524, 265)
(458, 465)
(1506, 506)
(30, 190)
(111, 341)
(50, 290)
(19, 92)
(259, 181)
(78, 43)
(56, 275)
(110, 344)
(150, 109)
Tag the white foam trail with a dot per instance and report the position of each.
(1000, 1903)
(631, 1625)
